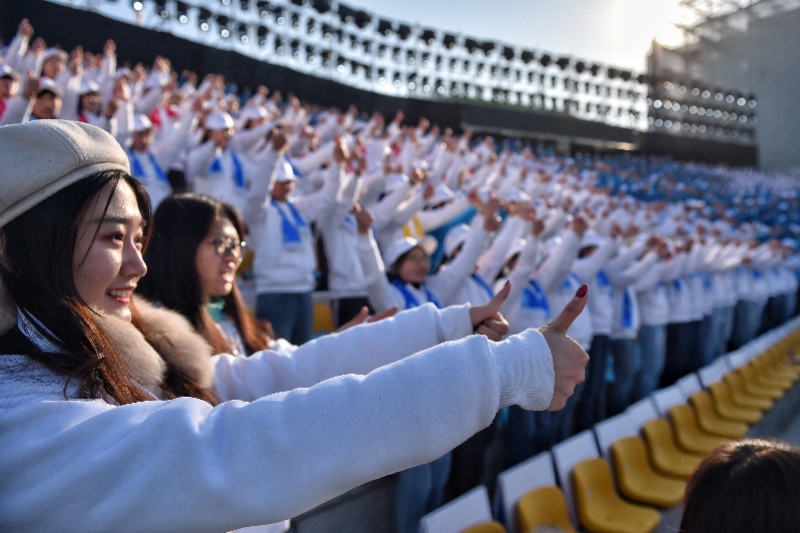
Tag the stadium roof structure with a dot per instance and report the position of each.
(713, 20)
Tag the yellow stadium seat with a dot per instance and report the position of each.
(599, 507)
(757, 387)
(769, 375)
(544, 506)
(739, 396)
(323, 319)
(688, 433)
(726, 406)
(711, 422)
(486, 527)
(638, 481)
(665, 454)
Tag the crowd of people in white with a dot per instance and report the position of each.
(678, 268)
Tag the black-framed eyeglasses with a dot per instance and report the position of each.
(225, 246)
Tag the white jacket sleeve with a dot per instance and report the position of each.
(167, 150)
(448, 280)
(358, 350)
(587, 268)
(493, 260)
(384, 211)
(199, 158)
(181, 465)
(315, 204)
(15, 53)
(147, 102)
(382, 295)
(521, 274)
(435, 218)
(556, 267)
(313, 160)
(18, 110)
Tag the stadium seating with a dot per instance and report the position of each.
(636, 478)
(711, 422)
(599, 507)
(469, 511)
(688, 433)
(665, 454)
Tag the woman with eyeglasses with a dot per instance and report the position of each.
(192, 259)
(97, 390)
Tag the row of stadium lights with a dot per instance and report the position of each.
(687, 127)
(362, 19)
(412, 80)
(698, 110)
(706, 94)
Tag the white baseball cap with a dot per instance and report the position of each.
(55, 52)
(591, 238)
(253, 113)
(218, 121)
(88, 86)
(8, 72)
(46, 84)
(441, 194)
(401, 246)
(284, 172)
(141, 123)
(515, 195)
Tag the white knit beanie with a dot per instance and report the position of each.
(38, 159)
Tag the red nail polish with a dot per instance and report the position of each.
(582, 290)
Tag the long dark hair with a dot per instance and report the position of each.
(750, 486)
(180, 224)
(38, 250)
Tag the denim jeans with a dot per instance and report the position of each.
(291, 314)
(705, 344)
(591, 404)
(518, 435)
(653, 349)
(681, 344)
(747, 322)
(623, 351)
(564, 419)
(419, 491)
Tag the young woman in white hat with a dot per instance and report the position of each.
(114, 417)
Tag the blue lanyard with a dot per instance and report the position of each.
(533, 297)
(291, 164)
(138, 171)
(485, 286)
(627, 310)
(568, 283)
(291, 233)
(602, 279)
(238, 172)
(411, 301)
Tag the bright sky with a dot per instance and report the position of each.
(614, 32)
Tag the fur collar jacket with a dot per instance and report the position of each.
(166, 337)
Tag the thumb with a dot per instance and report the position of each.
(574, 308)
(493, 307)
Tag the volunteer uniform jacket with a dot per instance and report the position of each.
(219, 173)
(346, 278)
(282, 240)
(293, 431)
(151, 167)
